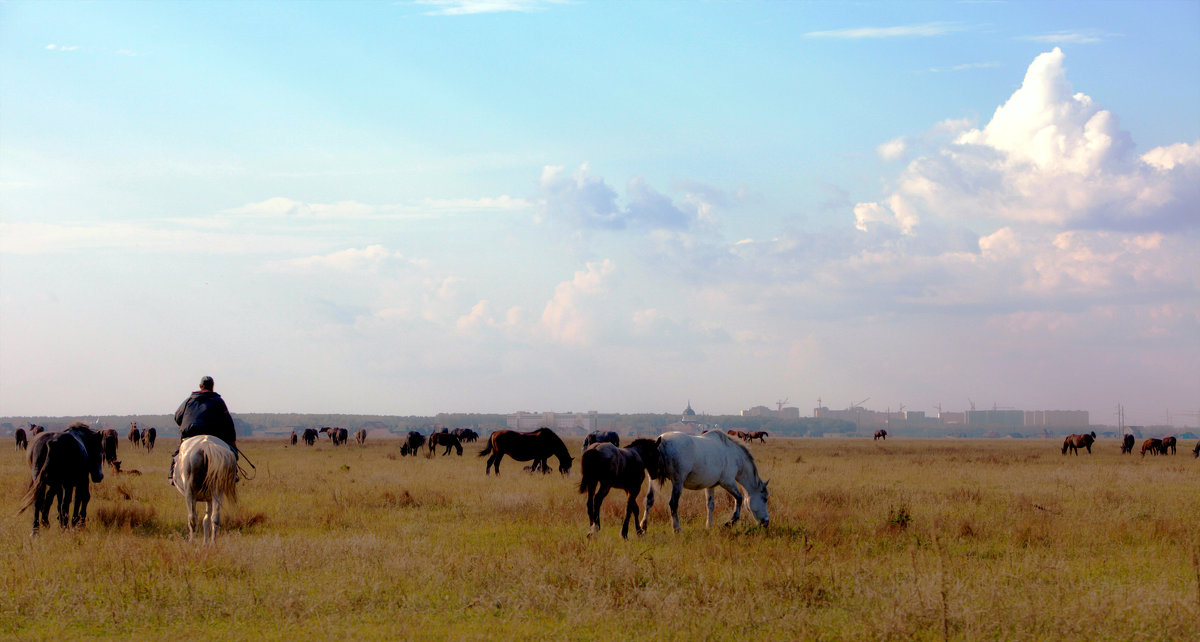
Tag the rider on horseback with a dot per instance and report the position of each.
(204, 413)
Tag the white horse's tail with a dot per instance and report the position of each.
(221, 476)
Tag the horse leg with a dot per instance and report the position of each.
(191, 510)
(64, 504)
(649, 503)
(79, 513)
(732, 489)
(711, 499)
(214, 517)
(631, 509)
(601, 493)
(676, 491)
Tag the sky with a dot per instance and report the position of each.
(502, 205)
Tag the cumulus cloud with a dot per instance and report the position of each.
(566, 316)
(1049, 156)
(584, 201)
(893, 149)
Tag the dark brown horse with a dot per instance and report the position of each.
(1168, 445)
(605, 466)
(446, 439)
(338, 436)
(1196, 450)
(880, 434)
(1075, 442)
(760, 435)
(309, 436)
(1127, 445)
(293, 439)
(540, 444)
(360, 436)
(109, 439)
(1153, 445)
(22, 439)
(465, 435)
(596, 437)
(149, 436)
(412, 443)
(35, 430)
(61, 464)
(740, 434)
(135, 435)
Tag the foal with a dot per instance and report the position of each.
(607, 466)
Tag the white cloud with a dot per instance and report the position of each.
(567, 316)
(54, 47)
(583, 201)
(1082, 37)
(1050, 156)
(470, 7)
(369, 260)
(904, 31)
(894, 149)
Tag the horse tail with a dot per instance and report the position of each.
(1066, 442)
(34, 484)
(220, 478)
(487, 450)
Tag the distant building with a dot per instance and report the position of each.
(560, 421)
(1056, 418)
(763, 411)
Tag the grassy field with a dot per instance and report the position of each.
(918, 539)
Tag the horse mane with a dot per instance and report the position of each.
(749, 455)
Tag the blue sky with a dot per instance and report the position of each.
(416, 207)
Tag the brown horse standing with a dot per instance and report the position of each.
(540, 444)
(760, 435)
(1153, 445)
(880, 434)
(135, 435)
(740, 434)
(360, 436)
(446, 439)
(1127, 445)
(1075, 442)
(22, 440)
(1168, 444)
(605, 466)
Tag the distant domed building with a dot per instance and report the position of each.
(689, 415)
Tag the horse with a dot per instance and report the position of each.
(1153, 445)
(309, 436)
(35, 429)
(740, 434)
(148, 436)
(338, 436)
(135, 435)
(1127, 445)
(412, 443)
(1196, 451)
(293, 439)
(704, 462)
(537, 445)
(61, 464)
(1168, 444)
(606, 466)
(760, 435)
(22, 439)
(207, 472)
(880, 434)
(596, 437)
(108, 444)
(360, 436)
(1075, 442)
(446, 439)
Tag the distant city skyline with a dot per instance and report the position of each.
(415, 207)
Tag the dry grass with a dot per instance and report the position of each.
(903, 540)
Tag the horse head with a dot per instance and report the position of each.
(564, 464)
(758, 503)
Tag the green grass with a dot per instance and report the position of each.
(917, 539)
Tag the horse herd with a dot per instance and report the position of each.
(1154, 446)
(62, 463)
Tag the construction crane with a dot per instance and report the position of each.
(779, 404)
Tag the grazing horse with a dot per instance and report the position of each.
(1153, 445)
(596, 437)
(412, 443)
(338, 436)
(206, 472)
(149, 435)
(448, 440)
(360, 436)
(108, 444)
(1127, 445)
(760, 435)
(704, 462)
(1075, 442)
(309, 436)
(606, 466)
(1168, 444)
(466, 435)
(880, 434)
(740, 434)
(35, 429)
(537, 445)
(22, 440)
(61, 464)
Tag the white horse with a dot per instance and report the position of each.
(705, 462)
(206, 471)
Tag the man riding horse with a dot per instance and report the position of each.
(204, 413)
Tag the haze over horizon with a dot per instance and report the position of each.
(463, 206)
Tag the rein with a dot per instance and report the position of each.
(242, 472)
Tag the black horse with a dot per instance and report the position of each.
(604, 466)
(1127, 445)
(109, 439)
(465, 435)
(412, 443)
(149, 435)
(538, 445)
(309, 436)
(596, 437)
(22, 439)
(61, 464)
(449, 440)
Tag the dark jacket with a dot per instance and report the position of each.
(204, 413)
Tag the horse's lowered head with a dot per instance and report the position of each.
(757, 497)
